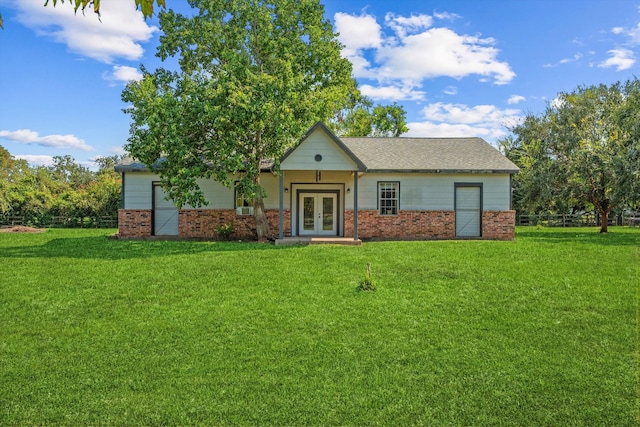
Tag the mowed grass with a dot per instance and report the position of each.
(543, 330)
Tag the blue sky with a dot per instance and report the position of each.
(459, 67)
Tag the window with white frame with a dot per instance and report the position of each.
(388, 197)
(242, 205)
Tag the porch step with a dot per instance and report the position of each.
(319, 241)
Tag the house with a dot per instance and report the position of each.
(354, 188)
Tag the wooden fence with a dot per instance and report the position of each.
(590, 219)
(108, 221)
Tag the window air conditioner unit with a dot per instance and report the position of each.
(244, 210)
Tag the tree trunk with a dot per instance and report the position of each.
(604, 220)
(262, 225)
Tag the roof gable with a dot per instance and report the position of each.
(320, 149)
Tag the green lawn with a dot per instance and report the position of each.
(540, 331)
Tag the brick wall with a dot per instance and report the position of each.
(499, 225)
(134, 222)
(405, 225)
(202, 223)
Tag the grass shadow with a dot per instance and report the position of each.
(102, 247)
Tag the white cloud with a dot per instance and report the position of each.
(392, 93)
(122, 74)
(622, 59)
(36, 160)
(450, 90)
(634, 35)
(27, 136)
(415, 51)
(118, 149)
(358, 32)
(515, 99)
(446, 16)
(461, 113)
(117, 34)
(402, 25)
(448, 130)
(459, 120)
(574, 58)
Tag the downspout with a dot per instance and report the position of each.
(281, 214)
(355, 205)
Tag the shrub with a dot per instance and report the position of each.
(225, 231)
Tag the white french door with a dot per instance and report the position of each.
(317, 214)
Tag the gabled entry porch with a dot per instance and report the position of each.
(318, 186)
(318, 211)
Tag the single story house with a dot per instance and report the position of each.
(371, 188)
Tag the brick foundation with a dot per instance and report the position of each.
(202, 223)
(499, 225)
(405, 225)
(134, 223)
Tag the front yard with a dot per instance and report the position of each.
(540, 331)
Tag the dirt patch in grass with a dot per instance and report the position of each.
(21, 229)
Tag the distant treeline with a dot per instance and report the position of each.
(39, 195)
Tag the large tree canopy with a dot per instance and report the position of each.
(254, 75)
(584, 149)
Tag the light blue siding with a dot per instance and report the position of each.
(318, 143)
(435, 191)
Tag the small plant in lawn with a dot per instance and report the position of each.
(225, 231)
(367, 284)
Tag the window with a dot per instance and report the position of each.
(242, 205)
(388, 198)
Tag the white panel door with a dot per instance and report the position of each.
(165, 214)
(317, 214)
(468, 211)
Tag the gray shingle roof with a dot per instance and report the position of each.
(403, 155)
(130, 165)
(429, 155)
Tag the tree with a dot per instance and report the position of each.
(67, 172)
(584, 149)
(62, 189)
(254, 75)
(361, 118)
(146, 6)
(11, 171)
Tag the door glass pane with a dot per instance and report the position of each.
(308, 213)
(327, 213)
